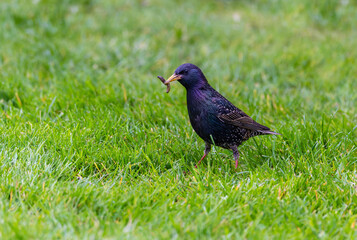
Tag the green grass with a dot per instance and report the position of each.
(92, 147)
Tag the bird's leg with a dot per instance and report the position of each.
(207, 150)
(235, 154)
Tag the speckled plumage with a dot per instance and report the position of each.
(216, 120)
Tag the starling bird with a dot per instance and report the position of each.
(215, 119)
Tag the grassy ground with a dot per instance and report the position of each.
(91, 146)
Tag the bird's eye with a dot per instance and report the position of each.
(184, 71)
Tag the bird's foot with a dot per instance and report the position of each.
(200, 160)
(186, 173)
(236, 164)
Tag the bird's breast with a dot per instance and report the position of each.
(201, 113)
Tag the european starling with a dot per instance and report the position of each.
(215, 119)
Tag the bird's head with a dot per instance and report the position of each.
(189, 75)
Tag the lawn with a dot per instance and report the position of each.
(91, 146)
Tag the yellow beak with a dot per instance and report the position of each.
(174, 77)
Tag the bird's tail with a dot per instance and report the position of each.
(268, 132)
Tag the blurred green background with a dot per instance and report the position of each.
(91, 146)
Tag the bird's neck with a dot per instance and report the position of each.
(198, 85)
(198, 94)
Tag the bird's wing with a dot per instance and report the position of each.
(232, 115)
(240, 119)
